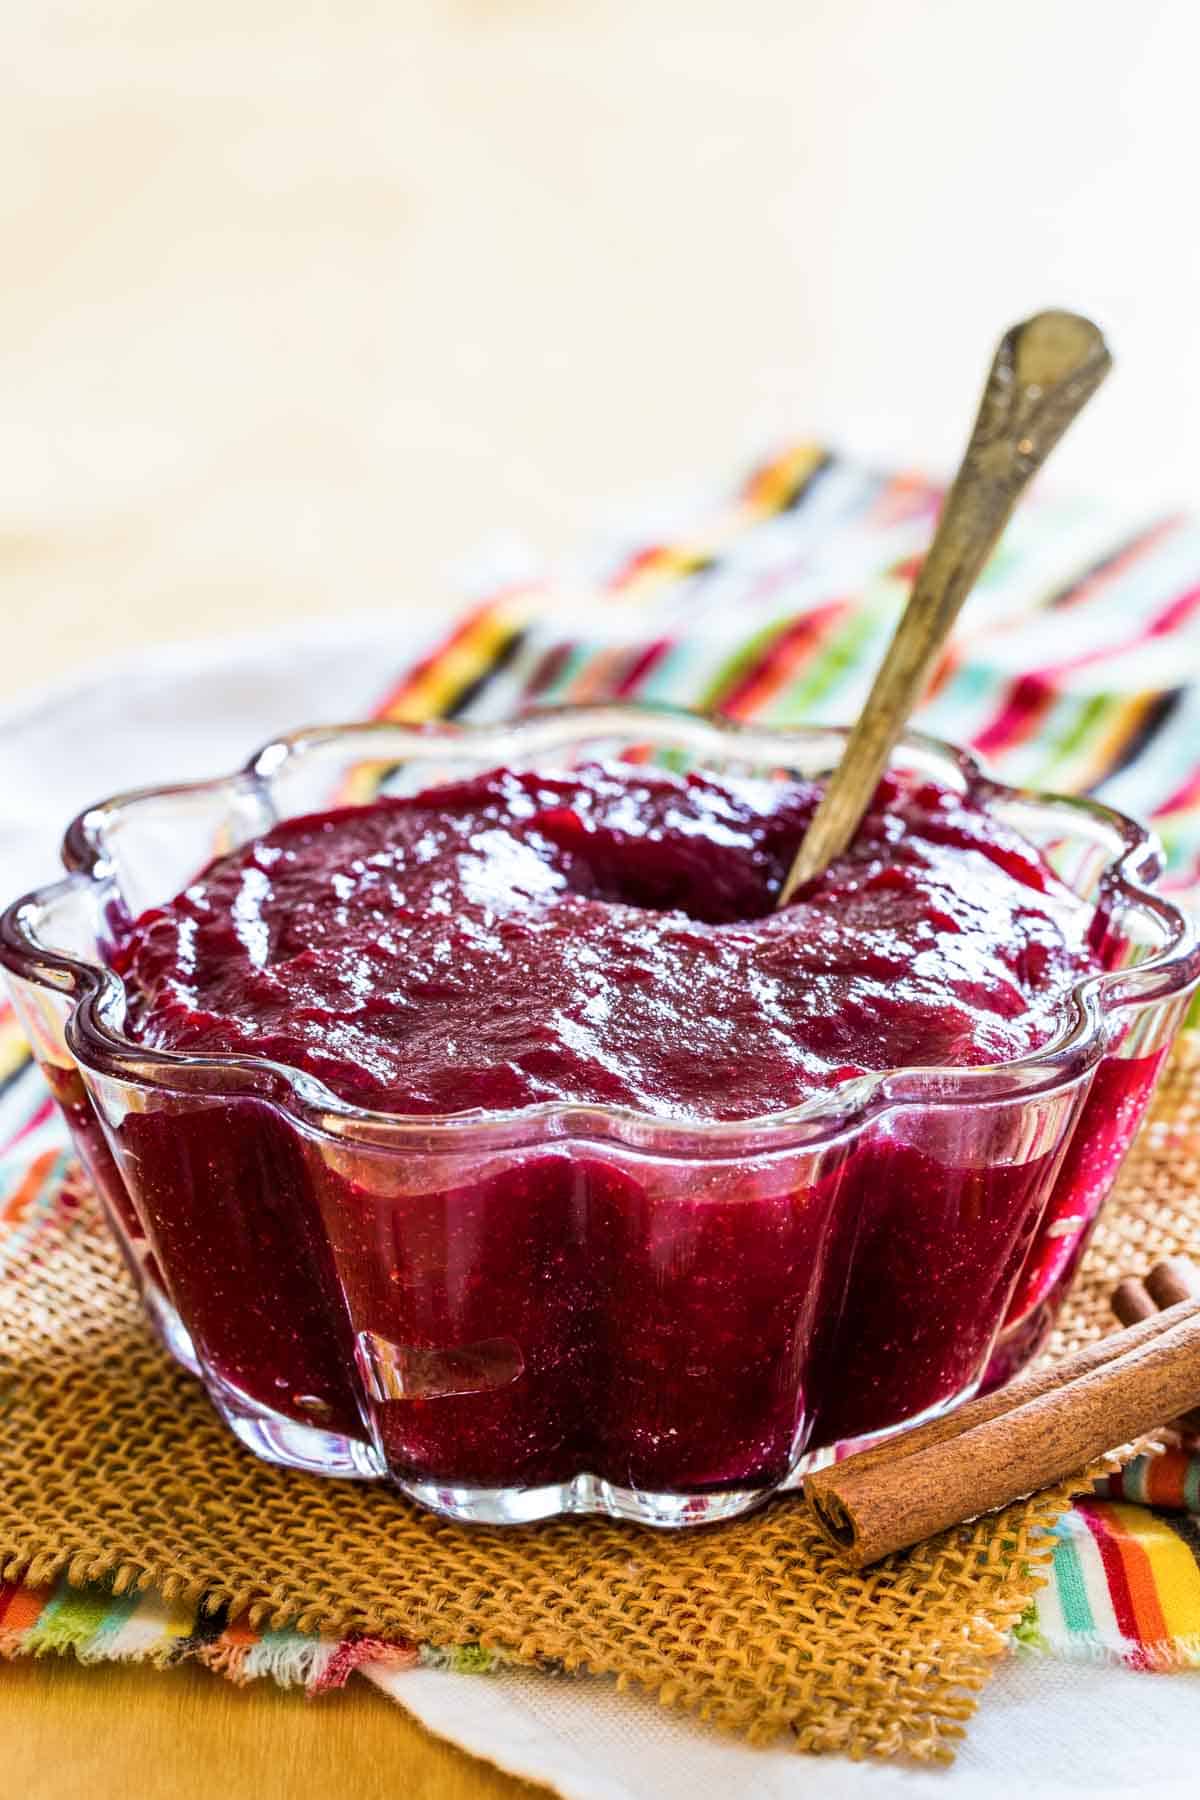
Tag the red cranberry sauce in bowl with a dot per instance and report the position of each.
(500, 1135)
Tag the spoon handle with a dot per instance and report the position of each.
(1044, 372)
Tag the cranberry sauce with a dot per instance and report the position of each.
(228, 1202)
(609, 937)
(1117, 1099)
(618, 1322)
(671, 1323)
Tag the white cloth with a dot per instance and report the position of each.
(1045, 1730)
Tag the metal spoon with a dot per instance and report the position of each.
(1044, 373)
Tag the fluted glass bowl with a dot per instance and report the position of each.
(584, 1308)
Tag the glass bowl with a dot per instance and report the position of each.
(583, 1308)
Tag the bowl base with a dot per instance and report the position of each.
(285, 1441)
(583, 1494)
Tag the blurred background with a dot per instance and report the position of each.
(302, 302)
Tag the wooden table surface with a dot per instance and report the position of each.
(302, 302)
(108, 1733)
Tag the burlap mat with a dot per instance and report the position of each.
(112, 1464)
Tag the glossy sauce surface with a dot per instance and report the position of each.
(607, 936)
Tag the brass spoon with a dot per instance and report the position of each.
(1044, 373)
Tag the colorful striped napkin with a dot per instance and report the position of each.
(1075, 665)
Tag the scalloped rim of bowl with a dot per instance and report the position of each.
(96, 1038)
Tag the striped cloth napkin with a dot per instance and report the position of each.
(1075, 665)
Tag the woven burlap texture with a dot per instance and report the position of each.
(113, 1465)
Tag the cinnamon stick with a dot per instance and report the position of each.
(1044, 1427)
(1167, 1283)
